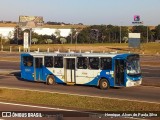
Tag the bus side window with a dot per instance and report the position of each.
(58, 62)
(48, 61)
(28, 61)
(106, 63)
(82, 62)
(94, 63)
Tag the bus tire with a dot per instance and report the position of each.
(50, 80)
(104, 84)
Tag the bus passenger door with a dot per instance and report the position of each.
(119, 72)
(70, 70)
(38, 68)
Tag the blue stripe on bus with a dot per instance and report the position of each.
(48, 72)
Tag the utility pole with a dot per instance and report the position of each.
(17, 33)
(1, 41)
(30, 36)
(147, 34)
(120, 34)
(76, 40)
(71, 35)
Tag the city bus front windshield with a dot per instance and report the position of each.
(133, 65)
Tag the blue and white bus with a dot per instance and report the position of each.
(97, 69)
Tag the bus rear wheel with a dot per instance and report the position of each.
(50, 80)
(104, 84)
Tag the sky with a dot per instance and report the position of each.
(88, 12)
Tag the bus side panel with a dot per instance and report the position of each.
(108, 75)
(87, 76)
(49, 71)
(27, 73)
(103, 74)
(93, 82)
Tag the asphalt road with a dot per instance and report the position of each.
(148, 71)
(140, 93)
(9, 65)
(14, 111)
(150, 58)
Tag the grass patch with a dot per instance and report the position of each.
(146, 48)
(155, 64)
(15, 59)
(73, 101)
(150, 48)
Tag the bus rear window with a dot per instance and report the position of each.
(28, 61)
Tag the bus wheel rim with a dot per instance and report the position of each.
(50, 80)
(104, 84)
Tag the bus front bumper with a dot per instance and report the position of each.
(131, 83)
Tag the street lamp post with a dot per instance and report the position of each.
(120, 34)
(147, 34)
(30, 36)
(76, 36)
(17, 35)
(71, 37)
(76, 40)
(1, 41)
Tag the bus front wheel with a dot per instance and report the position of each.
(50, 80)
(104, 84)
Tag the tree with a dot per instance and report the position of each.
(63, 40)
(153, 35)
(109, 33)
(124, 33)
(84, 36)
(34, 40)
(10, 35)
(125, 39)
(143, 30)
(98, 33)
(57, 33)
(18, 35)
(48, 41)
(157, 32)
(72, 34)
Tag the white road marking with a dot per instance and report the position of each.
(83, 95)
(33, 106)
